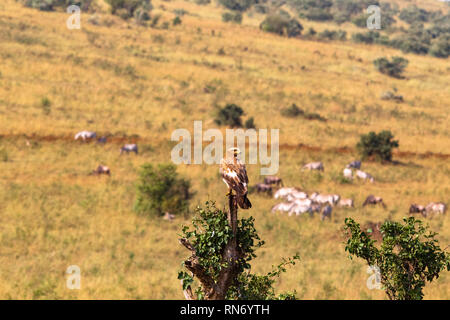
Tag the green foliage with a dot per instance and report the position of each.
(370, 37)
(281, 25)
(46, 105)
(209, 236)
(377, 145)
(237, 5)
(441, 47)
(393, 68)
(129, 8)
(413, 14)
(292, 111)
(230, 115)
(409, 256)
(333, 35)
(250, 123)
(176, 21)
(235, 17)
(160, 189)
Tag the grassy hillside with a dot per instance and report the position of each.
(140, 84)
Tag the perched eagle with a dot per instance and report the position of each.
(235, 177)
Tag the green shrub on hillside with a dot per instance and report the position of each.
(230, 115)
(161, 190)
(235, 17)
(393, 68)
(237, 5)
(281, 25)
(131, 8)
(378, 146)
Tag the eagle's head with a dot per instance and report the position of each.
(234, 152)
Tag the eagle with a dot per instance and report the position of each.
(235, 177)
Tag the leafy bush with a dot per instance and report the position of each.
(281, 25)
(377, 145)
(160, 189)
(209, 237)
(176, 21)
(318, 15)
(413, 14)
(408, 257)
(333, 35)
(230, 115)
(370, 37)
(237, 5)
(235, 17)
(441, 47)
(129, 8)
(392, 68)
(292, 111)
(250, 123)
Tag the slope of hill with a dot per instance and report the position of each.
(140, 84)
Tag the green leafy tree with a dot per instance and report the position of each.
(409, 256)
(222, 248)
(393, 68)
(281, 25)
(377, 145)
(161, 190)
(230, 115)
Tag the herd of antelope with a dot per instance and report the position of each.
(297, 202)
(86, 136)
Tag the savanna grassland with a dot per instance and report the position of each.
(139, 84)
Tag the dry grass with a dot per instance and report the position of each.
(129, 80)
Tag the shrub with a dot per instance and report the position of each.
(279, 24)
(250, 123)
(237, 5)
(160, 189)
(232, 17)
(127, 8)
(441, 47)
(413, 14)
(208, 240)
(332, 35)
(230, 115)
(408, 257)
(292, 111)
(318, 15)
(392, 68)
(370, 38)
(377, 145)
(176, 21)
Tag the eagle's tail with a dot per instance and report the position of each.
(243, 201)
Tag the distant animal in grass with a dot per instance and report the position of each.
(102, 140)
(283, 206)
(373, 200)
(348, 174)
(283, 192)
(354, 164)
(434, 208)
(85, 135)
(331, 199)
(263, 188)
(296, 194)
(326, 212)
(101, 169)
(129, 148)
(346, 203)
(415, 208)
(314, 166)
(273, 180)
(364, 175)
(168, 216)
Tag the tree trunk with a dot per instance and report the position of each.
(216, 290)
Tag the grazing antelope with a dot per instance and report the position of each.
(85, 135)
(129, 148)
(435, 207)
(101, 169)
(314, 166)
(273, 180)
(364, 175)
(354, 164)
(326, 212)
(346, 203)
(373, 201)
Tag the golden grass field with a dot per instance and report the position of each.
(140, 84)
